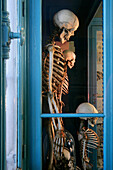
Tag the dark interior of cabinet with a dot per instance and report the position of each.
(85, 11)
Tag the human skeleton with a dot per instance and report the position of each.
(55, 83)
(87, 137)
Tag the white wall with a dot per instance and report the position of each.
(11, 92)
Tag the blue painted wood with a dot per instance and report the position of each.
(108, 83)
(1, 94)
(34, 119)
(20, 109)
(20, 98)
(4, 5)
(72, 115)
(4, 112)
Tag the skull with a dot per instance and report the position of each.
(68, 22)
(70, 58)
(87, 108)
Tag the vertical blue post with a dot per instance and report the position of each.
(4, 5)
(108, 83)
(34, 119)
(3, 91)
(20, 100)
(1, 97)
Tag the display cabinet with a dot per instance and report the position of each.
(106, 115)
(48, 135)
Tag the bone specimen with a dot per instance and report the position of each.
(70, 58)
(87, 108)
(68, 22)
(89, 141)
(54, 84)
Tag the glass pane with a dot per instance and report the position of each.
(72, 60)
(100, 150)
(77, 145)
(11, 93)
(72, 82)
(95, 68)
(99, 38)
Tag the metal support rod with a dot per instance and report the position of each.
(13, 35)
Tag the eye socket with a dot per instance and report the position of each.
(69, 61)
(66, 31)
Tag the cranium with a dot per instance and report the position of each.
(68, 22)
(70, 58)
(87, 108)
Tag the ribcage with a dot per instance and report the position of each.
(89, 141)
(59, 72)
(65, 85)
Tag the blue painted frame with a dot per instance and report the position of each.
(34, 114)
(1, 92)
(20, 97)
(34, 89)
(22, 88)
(3, 7)
(108, 82)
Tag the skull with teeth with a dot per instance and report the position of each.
(68, 22)
(70, 58)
